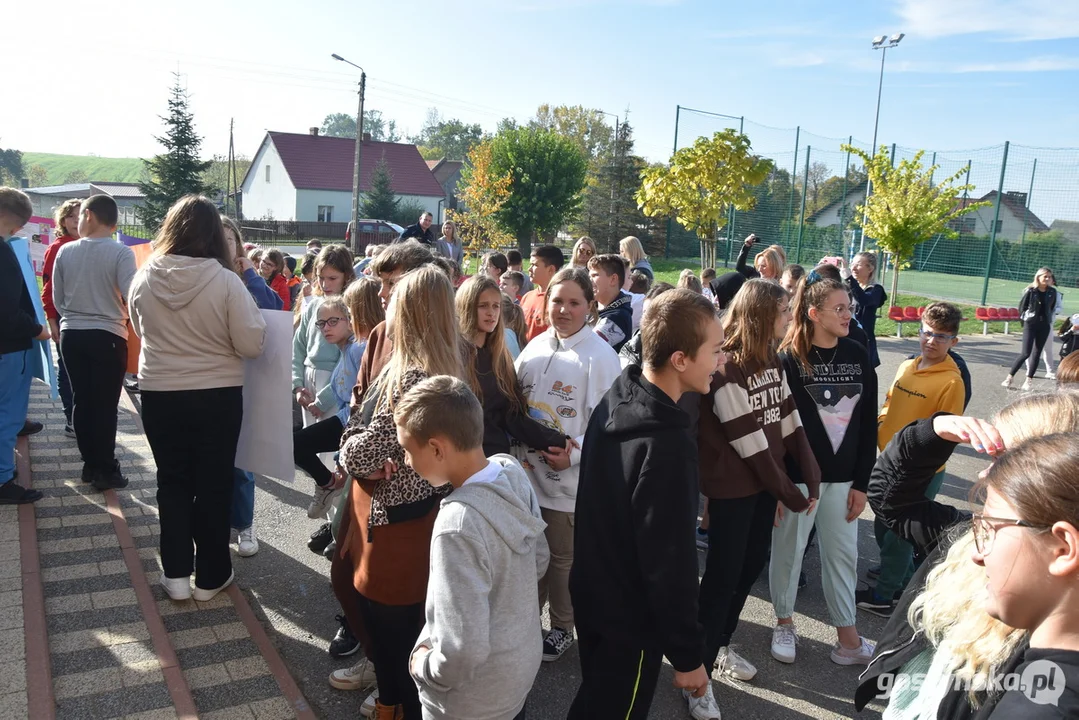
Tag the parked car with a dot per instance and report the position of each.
(380, 232)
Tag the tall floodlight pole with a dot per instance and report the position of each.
(359, 151)
(614, 156)
(884, 44)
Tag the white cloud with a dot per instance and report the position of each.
(795, 60)
(1035, 64)
(1013, 19)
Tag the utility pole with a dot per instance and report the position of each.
(231, 188)
(359, 152)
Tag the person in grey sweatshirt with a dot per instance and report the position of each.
(481, 646)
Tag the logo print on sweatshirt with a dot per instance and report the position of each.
(566, 411)
(835, 405)
(563, 391)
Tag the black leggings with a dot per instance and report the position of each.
(308, 442)
(1034, 336)
(394, 630)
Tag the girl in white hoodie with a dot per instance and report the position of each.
(564, 372)
(197, 323)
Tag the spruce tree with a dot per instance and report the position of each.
(179, 170)
(380, 202)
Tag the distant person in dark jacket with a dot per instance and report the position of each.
(634, 576)
(608, 274)
(420, 231)
(768, 264)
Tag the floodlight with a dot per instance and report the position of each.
(894, 39)
(879, 40)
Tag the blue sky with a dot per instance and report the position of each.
(969, 74)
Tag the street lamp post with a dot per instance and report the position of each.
(359, 151)
(614, 154)
(884, 44)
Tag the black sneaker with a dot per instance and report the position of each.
(110, 480)
(31, 427)
(344, 643)
(330, 550)
(11, 493)
(557, 642)
(87, 473)
(320, 539)
(869, 601)
(69, 430)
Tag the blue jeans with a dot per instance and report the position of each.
(243, 499)
(14, 402)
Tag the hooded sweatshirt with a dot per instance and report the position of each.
(564, 379)
(634, 575)
(919, 393)
(309, 348)
(488, 552)
(197, 323)
(616, 321)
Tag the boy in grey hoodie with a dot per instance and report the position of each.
(481, 647)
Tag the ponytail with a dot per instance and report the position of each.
(812, 291)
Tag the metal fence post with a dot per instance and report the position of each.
(805, 193)
(794, 176)
(996, 219)
(670, 220)
(843, 204)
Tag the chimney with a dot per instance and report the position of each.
(1017, 196)
(313, 131)
(367, 137)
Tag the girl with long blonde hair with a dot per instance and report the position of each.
(748, 427)
(946, 628)
(583, 251)
(768, 264)
(1037, 308)
(632, 250)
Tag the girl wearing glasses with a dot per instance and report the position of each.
(345, 322)
(1036, 311)
(953, 629)
(835, 387)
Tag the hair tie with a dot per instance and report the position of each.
(813, 277)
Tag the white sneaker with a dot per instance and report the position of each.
(784, 640)
(358, 677)
(704, 707)
(203, 595)
(248, 543)
(369, 706)
(1050, 375)
(1007, 382)
(321, 502)
(177, 588)
(860, 655)
(733, 665)
(1027, 386)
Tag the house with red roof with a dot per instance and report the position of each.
(307, 177)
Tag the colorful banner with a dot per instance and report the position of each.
(41, 357)
(40, 233)
(142, 251)
(265, 446)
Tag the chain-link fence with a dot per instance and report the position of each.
(809, 202)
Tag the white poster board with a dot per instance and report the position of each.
(265, 446)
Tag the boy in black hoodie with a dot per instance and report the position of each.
(634, 578)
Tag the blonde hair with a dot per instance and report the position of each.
(514, 318)
(69, 208)
(749, 324)
(950, 610)
(468, 298)
(776, 257)
(575, 258)
(871, 260)
(364, 305)
(631, 249)
(335, 303)
(1052, 276)
(423, 329)
(688, 281)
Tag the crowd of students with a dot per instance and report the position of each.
(480, 450)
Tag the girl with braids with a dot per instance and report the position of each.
(491, 375)
(748, 426)
(835, 387)
(67, 229)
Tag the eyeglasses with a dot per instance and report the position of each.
(842, 310)
(985, 530)
(939, 337)
(331, 321)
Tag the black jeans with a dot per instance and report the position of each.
(617, 680)
(63, 383)
(1034, 336)
(394, 630)
(308, 442)
(193, 435)
(739, 537)
(95, 361)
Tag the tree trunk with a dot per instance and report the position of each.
(895, 284)
(524, 242)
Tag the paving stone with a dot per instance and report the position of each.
(12, 644)
(114, 598)
(195, 637)
(275, 708)
(44, 523)
(174, 607)
(246, 668)
(218, 653)
(13, 705)
(13, 677)
(159, 714)
(145, 672)
(112, 567)
(10, 568)
(114, 703)
(208, 699)
(77, 640)
(221, 600)
(236, 712)
(10, 549)
(76, 532)
(86, 683)
(73, 544)
(10, 598)
(187, 620)
(81, 557)
(206, 676)
(68, 604)
(11, 584)
(83, 520)
(230, 631)
(92, 584)
(11, 617)
(70, 572)
(128, 632)
(68, 622)
(100, 541)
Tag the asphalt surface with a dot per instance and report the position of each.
(289, 588)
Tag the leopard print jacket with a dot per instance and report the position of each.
(365, 449)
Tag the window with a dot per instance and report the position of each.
(325, 213)
(1000, 224)
(267, 173)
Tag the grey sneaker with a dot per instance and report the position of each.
(321, 502)
(248, 544)
(705, 707)
(735, 666)
(358, 677)
(784, 640)
(860, 655)
(557, 642)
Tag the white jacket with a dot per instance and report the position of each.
(563, 380)
(197, 323)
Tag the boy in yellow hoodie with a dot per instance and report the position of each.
(925, 385)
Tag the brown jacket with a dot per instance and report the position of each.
(748, 423)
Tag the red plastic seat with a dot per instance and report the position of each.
(910, 313)
(981, 314)
(994, 314)
(1013, 313)
(921, 311)
(895, 313)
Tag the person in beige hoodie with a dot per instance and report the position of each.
(197, 323)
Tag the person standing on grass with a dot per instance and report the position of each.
(17, 332)
(546, 260)
(634, 576)
(90, 282)
(1037, 308)
(197, 322)
(67, 230)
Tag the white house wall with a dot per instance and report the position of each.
(308, 202)
(276, 198)
(830, 216)
(1011, 227)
